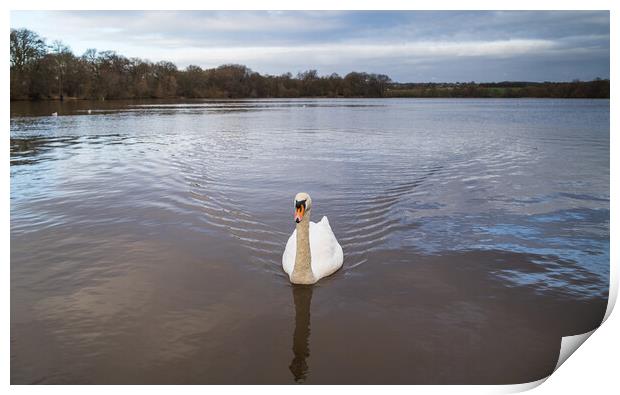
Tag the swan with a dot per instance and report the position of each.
(312, 252)
(54, 114)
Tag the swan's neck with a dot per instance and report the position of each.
(302, 272)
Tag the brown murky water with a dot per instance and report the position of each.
(146, 239)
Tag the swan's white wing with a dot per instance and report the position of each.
(288, 258)
(326, 253)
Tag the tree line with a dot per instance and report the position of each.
(41, 71)
(596, 89)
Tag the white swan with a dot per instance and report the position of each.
(54, 114)
(312, 252)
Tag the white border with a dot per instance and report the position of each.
(592, 370)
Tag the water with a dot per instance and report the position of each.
(146, 239)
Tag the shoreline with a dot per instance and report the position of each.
(70, 100)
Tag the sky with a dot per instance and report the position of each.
(409, 46)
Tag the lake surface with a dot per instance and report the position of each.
(146, 239)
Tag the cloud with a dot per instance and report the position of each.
(349, 51)
(185, 27)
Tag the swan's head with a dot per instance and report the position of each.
(303, 204)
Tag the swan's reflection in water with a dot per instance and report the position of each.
(302, 296)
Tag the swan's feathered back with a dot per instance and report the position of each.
(325, 252)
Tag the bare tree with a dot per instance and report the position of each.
(26, 48)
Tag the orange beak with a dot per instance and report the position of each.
(299, 214)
